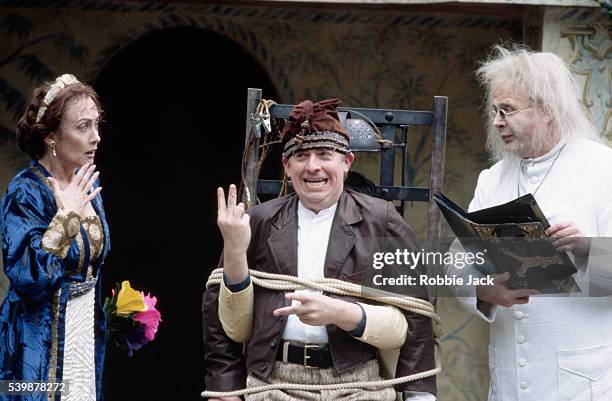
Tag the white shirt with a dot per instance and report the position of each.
(534, 171)
(313, 238)
(554, 348)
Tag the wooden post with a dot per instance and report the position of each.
(438, 148)
(249, 196)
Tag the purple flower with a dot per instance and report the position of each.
(128, 334)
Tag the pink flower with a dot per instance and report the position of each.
(150, 318)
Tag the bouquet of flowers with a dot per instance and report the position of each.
(131, 317)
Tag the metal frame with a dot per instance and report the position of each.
(388, 121)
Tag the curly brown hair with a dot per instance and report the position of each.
(31, 134)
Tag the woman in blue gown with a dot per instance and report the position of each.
(54, 241)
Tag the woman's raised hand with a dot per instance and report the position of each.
(78, 193)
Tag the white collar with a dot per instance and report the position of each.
(546, 157)
(305, 213)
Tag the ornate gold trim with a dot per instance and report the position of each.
(81, 245)
(52, 374)
(64, 227)
(42, 177)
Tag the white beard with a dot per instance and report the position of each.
(542, 141)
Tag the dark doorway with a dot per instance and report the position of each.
(175, 117)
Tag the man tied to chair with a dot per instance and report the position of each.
(322, 230)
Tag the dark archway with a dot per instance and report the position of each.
(175, 115)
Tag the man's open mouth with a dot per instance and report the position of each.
(315, 181)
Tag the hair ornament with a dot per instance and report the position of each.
(60, 83)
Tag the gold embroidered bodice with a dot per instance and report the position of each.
(64, 228)
(93, 228)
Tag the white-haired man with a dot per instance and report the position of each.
(544, 347)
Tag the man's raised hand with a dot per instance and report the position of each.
(233, 221)
(236, 231)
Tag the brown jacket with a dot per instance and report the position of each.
(360, 221)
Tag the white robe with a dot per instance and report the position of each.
(556, 348)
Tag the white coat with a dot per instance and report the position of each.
(555, 348)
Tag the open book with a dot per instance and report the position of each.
(513, 237)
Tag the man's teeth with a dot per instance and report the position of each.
(315, 180)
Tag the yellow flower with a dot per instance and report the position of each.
(129, 300)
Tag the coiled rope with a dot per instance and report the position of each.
(283, 282)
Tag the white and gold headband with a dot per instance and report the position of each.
(60, 83)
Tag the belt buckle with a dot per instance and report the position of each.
(307, 357)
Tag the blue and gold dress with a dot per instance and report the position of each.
(54, 303)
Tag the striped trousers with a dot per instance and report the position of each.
(294, 373)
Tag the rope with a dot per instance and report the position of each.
(263, 110)
(320, 387)
(262, 113)
(283, 282)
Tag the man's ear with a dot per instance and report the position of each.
(348, 160)
(286, 166)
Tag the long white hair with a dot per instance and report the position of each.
(546, 80)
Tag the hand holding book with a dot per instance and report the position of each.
(515, 237)
(500, 294)
(567, 237)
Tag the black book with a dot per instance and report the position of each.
(515, 240)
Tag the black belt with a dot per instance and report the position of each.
(310, 356)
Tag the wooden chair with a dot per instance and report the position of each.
(370, 130)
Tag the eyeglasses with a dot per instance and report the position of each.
(503, 114)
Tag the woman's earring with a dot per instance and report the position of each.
(53, 146)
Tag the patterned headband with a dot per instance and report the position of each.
(60, 83)
(316, 140)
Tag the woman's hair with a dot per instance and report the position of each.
(31, 134)
(546, 80)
